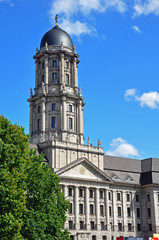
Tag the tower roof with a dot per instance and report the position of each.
(56, 36)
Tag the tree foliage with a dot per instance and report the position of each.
(32, 204)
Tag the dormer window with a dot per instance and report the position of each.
(116, 178)
(54, 63)
(67, 79)
(54, 77)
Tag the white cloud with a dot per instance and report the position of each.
(137, 29)
(120, 147)
(150, 99)
(146, 7)
(7, 1)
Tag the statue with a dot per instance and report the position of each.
(51, 137)
(31, 92)
(55, 136)
(42, 137)
(46, 46)
(99, 142)
(91, 145)
(88, 141)
(43, 87)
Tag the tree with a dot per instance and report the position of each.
(33, 206)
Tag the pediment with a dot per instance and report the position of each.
(83, 169)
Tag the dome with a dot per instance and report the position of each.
(56, 36)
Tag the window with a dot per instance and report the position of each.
(101, 210)
(110, 211)
(128, 197)
(53, 122)
(80, 192)
(70, 108)
(39, 109)
(119, 226)
(149, 212)
(72, 237)
(138, 212)
(54, 63)
(137, 198)
(150, 227)
(67, 65)
(67, 79)
(92, 225)
(91, 209)
(116, 178)
(104, 238)
(129, 227)
(91, 193)
(70, 209)
(70, 191)
(43, 65)
(81, 208)
(93, 237)
(109, 195)
(101, 194)
(53, 106)
(70, 223)
(102, 226)
(148, 197)
(128, 212)
(118, 196)
(38, 123)
(70, 123)
(138, 227)
(43, 78)
(119, 211)
(54, 78)
(81, 225)
(158, 197)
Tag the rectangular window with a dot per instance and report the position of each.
(118, 196)
(43, 65)
(110, 211)
(148, 197)
(38, 123)
(67, 65)
(53, 122)
(53, 106)
(128, 197)
(149, 212)
(119, 226)
(92, 225)
(54, 77)
(70, 123)
(93, 237)
(91, 193)
(72, 237)
(43, 78)
(104, 238)
(67, 79)
(101, 194)
(70, 191)
(54, 63)
(138, 212)
(109, 195)
(102, 226)
(80, 192)
(70, 209)
(137, 197)
(128, 212)
(39, 109)
(150, 227)
(70, 108)
(81, 208)
(91, 209)
(81, 225)
(101, 210)
(70, 223)
(129, 227)
(138, 227)
(119, 211)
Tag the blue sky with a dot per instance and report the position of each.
(118, 46)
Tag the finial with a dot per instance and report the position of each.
(56, 19)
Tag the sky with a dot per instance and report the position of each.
(118, 46)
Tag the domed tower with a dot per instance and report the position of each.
(56, 106)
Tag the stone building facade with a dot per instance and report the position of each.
(109, 196)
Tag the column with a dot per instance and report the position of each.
(106, 208)
(80, 117)
(87, 208)
(124, 211)
(76, 207)
(65, 193)
(43, 115)
(114, 210)
(97, 208)
(132, 199)
(62, 69)
(75, 75)
(36, 73)
(31, 119)
(46, 72)
(63, 113)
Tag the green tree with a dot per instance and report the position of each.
(32, 204)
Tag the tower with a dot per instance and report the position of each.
(56, 107)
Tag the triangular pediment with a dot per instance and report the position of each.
(83, 169)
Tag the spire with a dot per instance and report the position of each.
(56, 19)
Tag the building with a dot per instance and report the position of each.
(110, 196)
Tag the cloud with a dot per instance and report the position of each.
(120, 147)
(68, 10)
(147, 7)
(137, 29)
(7, 1)
(150, 99)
